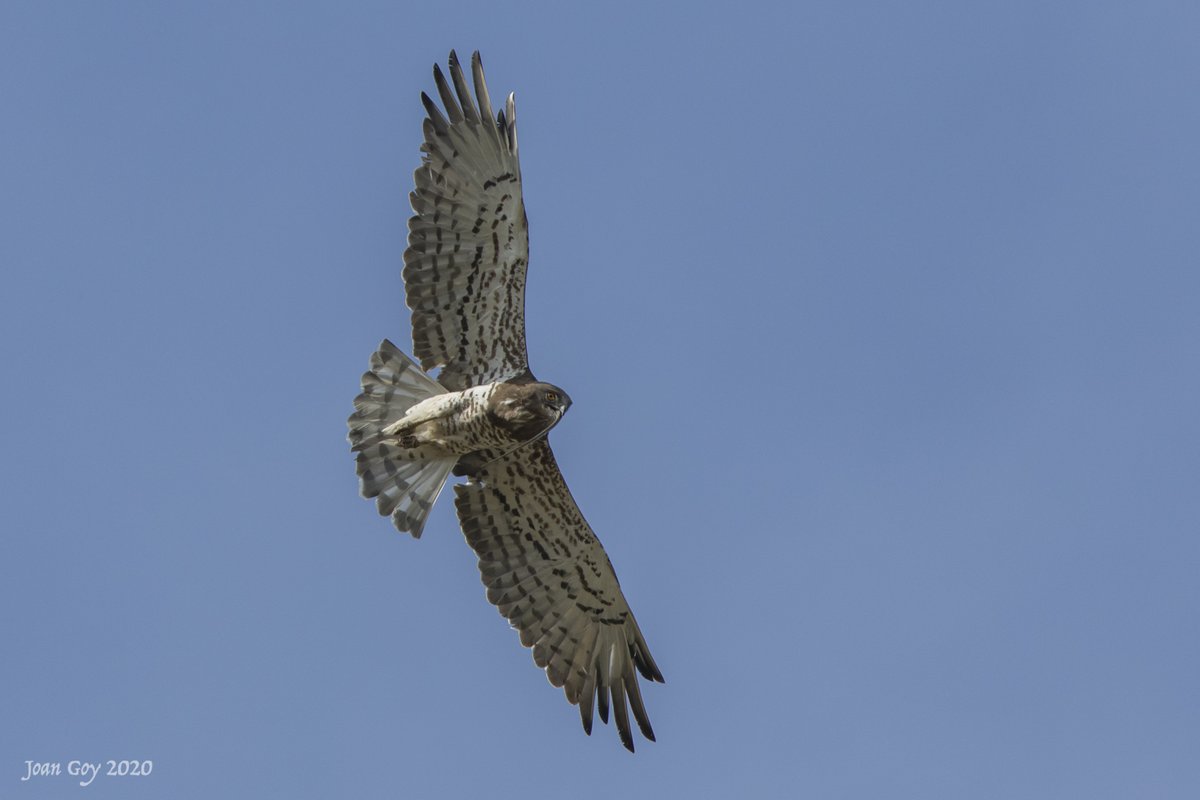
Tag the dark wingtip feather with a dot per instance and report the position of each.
(621, 712)
(645, 663)
(486, 114)
(461, 88)
(435, 114)
(634, 693)
(587, 697)
(602, 703)
(447, 95)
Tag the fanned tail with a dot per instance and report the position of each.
(405, 481)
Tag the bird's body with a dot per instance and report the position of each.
(496, 415)
(486, 416)
(451, 424)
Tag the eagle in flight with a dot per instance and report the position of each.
(486, 417)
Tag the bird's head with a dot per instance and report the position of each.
(530, 409)
(552, 399)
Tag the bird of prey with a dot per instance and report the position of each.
(486, 417)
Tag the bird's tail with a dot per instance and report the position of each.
(405, 481)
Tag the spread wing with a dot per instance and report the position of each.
(548, 574)
(468, 240)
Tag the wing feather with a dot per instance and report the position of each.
(448, 99)
(461, 88)
(579, 671)
(440, 124)
(546, 572)
(468, 238)
(634, 693)
(587, 698)
(621, 710)
(481, 95)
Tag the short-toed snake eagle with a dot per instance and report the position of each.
(486, 417)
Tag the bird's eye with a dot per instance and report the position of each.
(551, 397)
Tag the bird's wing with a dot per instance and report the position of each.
(468, 240)
(548, 574)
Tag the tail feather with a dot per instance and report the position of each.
(405, 481)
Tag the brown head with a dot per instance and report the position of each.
(527, 410)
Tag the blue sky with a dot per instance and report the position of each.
(882, 322)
